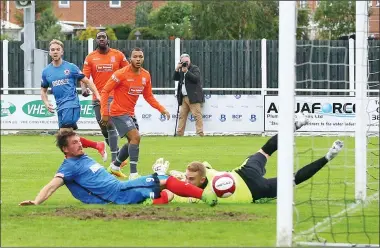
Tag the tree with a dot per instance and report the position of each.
(303, 17)
(122, 31)
(47, 27)
(174, 19)
(229, 20)
(40, 7)
(143, 10)
(91, 32)
(335, 18)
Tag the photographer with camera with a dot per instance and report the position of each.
(189, 94)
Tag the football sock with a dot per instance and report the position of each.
(133, 150)
(105, 134)
(163, 199)
(271, 146)
(309, 170)
(183, 189)
(88, 143)
(112, 142)
(122, 155)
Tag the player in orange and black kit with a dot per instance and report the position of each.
(128, 84)
(100, 65)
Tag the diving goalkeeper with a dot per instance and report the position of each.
(250, 183)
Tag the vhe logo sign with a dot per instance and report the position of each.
(86, 109)
(36, 109)
(332, 109)
(7, 108)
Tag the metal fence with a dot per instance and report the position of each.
(227, 63)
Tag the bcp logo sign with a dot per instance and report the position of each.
(237, 117)
(222, 118)
(146, 116)
(162, 118)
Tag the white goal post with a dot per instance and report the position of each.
(287, 80)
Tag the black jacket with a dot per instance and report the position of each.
(193, 84)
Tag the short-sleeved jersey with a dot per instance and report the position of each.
(128, 86)
(242, 193)
(101, 66)
(63, 82)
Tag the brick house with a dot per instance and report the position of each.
(86, 13)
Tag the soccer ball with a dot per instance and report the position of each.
(223, 184)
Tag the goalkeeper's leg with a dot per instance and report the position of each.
(268, 187)
(271, 145)
(310, 170)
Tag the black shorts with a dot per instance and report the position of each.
(252, 172)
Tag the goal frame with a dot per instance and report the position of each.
(286, 74)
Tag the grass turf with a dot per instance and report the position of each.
(29, 162)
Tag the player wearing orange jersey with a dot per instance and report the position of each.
(128, 84)
(100, 65)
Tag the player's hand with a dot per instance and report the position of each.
(161, 166)
(166, 113)
(27, 203)
(50, 108)
(177, 174)
(104, 120)
(86, 92)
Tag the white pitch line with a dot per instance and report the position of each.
(326, 222)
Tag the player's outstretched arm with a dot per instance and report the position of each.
(149, 97)
(91, 86)
(45, 192)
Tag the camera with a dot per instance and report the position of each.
(185, 64)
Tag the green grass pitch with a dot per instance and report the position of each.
(29, 162)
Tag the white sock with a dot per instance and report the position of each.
(114, 167)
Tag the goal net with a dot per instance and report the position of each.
(337, 88)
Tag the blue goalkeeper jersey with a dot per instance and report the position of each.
(89, 182)
(63, 82)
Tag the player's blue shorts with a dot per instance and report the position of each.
(137, 190)
(68, 118)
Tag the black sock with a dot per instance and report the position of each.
(133, 150)
(271, 145)
(122, 155)
(105, 135)
(309, 170)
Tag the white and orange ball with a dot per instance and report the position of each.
(223, 184)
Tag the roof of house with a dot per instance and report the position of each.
(8, 25)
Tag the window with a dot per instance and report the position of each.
(64, 4)
(370, 3)
(115, 4)
(377, 3)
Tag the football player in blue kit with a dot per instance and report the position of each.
(62, 77)
(89, 182)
